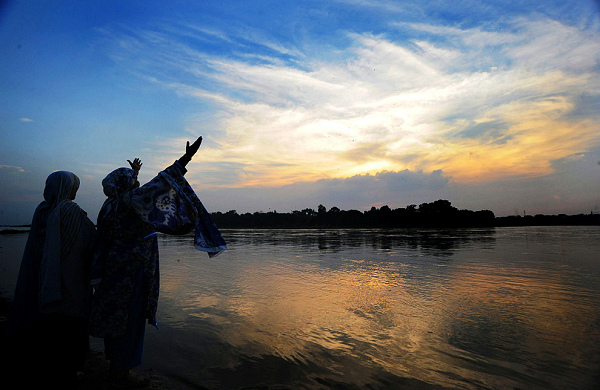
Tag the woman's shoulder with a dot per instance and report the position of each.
(70, 209)
(70, 206)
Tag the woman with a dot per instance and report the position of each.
(48, 324)
(125, 270)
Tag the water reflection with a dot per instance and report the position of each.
(381, 309)
(435, 242)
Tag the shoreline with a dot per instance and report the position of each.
(96, 367)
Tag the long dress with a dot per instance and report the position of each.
(47, 327)
(125, 269)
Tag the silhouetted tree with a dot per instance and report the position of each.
(440, 213)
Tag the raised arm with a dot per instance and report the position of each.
(136, 165)
(190, 151)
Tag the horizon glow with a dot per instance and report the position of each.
(308, 103)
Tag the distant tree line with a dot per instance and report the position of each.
(440, 213)
(549, 220)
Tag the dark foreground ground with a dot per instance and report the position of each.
(95, 374)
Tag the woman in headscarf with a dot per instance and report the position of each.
(125, 271)
(48, 323)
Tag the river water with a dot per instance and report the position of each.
(497, 308)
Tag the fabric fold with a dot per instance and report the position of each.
(62, 229)
(170, 203)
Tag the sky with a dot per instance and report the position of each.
(353, 103)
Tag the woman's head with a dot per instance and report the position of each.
(61, 185)
(119, 182)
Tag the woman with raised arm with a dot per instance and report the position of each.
(125, 271)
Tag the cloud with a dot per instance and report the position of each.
(11, 169)
(477, 103)
(396, 189)
(25, 120)
(548, 44)
(390, 102)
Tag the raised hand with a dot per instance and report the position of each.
(136, 165)
(190, 150)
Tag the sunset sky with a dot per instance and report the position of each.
(350, 103)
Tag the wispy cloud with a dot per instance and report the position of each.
(477, 104)
(10, 169)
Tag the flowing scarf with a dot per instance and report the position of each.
(168, 202)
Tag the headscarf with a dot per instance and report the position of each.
(118, 182)
(60, 186)
(115, 185)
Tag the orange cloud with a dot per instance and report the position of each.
(537, 133)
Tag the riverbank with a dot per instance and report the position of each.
(95, 372)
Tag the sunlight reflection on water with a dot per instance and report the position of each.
(473, 308)
(379, 309)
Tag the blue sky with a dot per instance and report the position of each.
(489, 104)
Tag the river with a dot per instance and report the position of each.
(493, 308)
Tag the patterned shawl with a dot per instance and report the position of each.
(169, 203)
